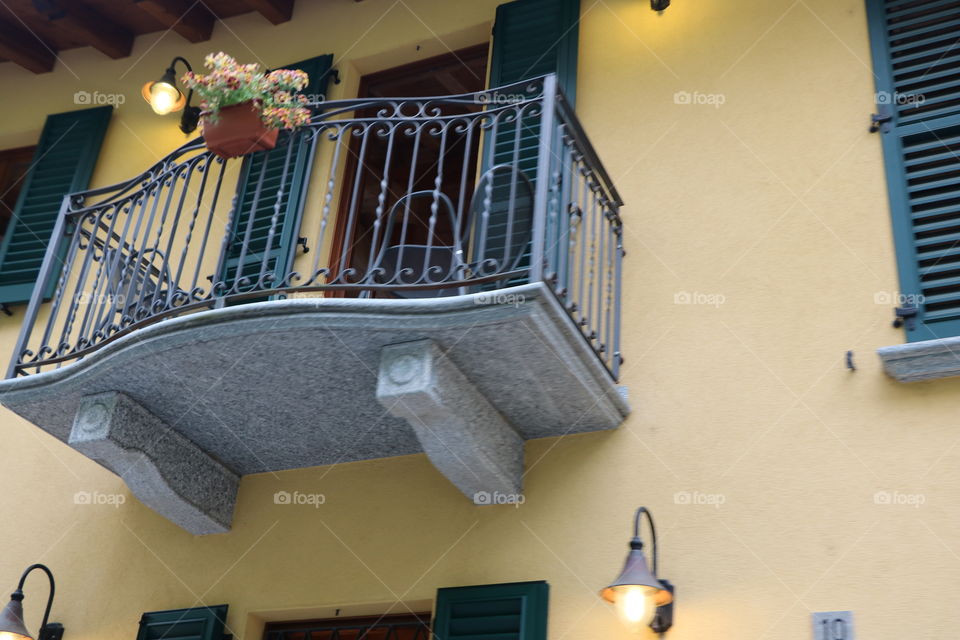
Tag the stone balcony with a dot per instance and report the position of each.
(192, 338)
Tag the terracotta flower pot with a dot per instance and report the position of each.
(238, 131)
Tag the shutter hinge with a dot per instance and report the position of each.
(906, 317)
(881, 120)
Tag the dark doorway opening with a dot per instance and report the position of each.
(14, 167)
(397, 176)
(414, 626)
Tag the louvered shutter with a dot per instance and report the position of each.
(916, 56)
(265, 178)
(62, 164)
(530, 38)
(199, 623)
(514, 611)
(533, 38)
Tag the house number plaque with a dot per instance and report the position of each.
(833, 625)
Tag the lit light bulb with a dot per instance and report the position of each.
(6, 635)
(163, 100)
(636, 605)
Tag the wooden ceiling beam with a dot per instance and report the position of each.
(188, 19)
(25, 49)
(88, 26)
(276, 11)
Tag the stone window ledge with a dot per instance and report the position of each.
(927, 360)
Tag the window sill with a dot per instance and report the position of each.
(927, 360)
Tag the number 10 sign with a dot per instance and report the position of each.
(833, 625)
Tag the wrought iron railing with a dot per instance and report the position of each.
(421, 197)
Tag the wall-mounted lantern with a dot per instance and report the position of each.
(641, 598)
(659, 5)
(12, 626)
(165, 97)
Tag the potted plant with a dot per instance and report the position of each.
(244, 108)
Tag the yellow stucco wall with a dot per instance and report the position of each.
(773, 203)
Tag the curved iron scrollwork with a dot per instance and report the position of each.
(433, 197)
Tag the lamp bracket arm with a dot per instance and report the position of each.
(46, 570)
(653, 535)
(185, 62)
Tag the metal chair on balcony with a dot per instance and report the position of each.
(496, 235)
(407, 264)
(501, 212)
(137, 285)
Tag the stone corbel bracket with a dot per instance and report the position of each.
(164, 470)
(464, 436)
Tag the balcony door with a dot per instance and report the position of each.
(395, 177)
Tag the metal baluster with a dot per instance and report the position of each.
(484, 221)
(248, 232)
(608, 278)
(352, 213)
(36, 298)
(219, 289)
(563, 240)
(435, 208)
(65, 270)
(551, 254)
(81, 279)
(292, 140)
(398, 275)
(601, 263)
(327, 200)
(543, 172)
(591, 312)
(378, 221)
(461, 231)
(617, 359)
(151, 195)
(310, 149)
(108, 311)
(139, 257)
(512, 199)
(204, 167)
(584, 232)
(94, 295)
(206, 231)
(191, 168)
(602, 276)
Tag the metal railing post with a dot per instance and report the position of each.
(544, 159)
(616, 358)
(43, 279)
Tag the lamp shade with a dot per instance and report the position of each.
(636, 592)
(11, 620)
(163, 95)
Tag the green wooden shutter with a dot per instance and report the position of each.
(63, 163)
(533, 38)
(916, 58)
(265, 170)
(514, 611)
(200, 623)
(530, 38)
